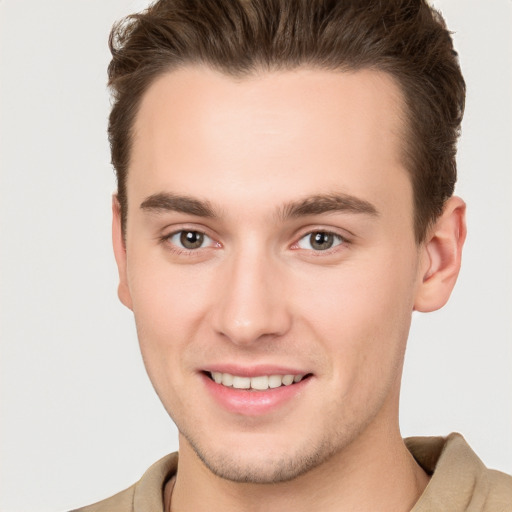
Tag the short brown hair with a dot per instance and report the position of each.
(406, 38)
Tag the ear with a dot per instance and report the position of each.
(118, 242)
(441, 258)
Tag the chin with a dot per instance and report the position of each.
(265, 467)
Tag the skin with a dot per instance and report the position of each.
(258, 293)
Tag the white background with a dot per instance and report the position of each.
(79, 419)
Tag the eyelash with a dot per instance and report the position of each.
(173, 247)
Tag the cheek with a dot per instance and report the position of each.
(168, 304)
(165, 296)
(362, 315)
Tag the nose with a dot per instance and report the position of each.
(252, 303)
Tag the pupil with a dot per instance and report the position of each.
(321, 241)
(191, 239)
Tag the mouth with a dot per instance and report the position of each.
(256, 383)
(256, 391)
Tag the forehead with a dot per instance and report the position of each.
(304, 131)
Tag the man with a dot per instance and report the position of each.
(285, 178)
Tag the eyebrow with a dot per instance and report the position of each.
(311, 205)
(164, 202)
(328, 203)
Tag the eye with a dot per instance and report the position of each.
(189, 240)
(320, 241)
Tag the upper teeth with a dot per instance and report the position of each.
(261, 382)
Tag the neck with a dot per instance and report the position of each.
(375, 472)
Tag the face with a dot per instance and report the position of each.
(271, 263)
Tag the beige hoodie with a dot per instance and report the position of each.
(460, 481)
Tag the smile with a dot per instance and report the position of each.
(259, 383)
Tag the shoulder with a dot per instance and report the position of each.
(120, 502)
(499, 496)
(459, 479)
(146, 494)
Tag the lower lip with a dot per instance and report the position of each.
(253, 403)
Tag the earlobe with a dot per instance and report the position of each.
(441, 258)
(118, 242)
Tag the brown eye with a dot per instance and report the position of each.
(191, 239)
(320, 241)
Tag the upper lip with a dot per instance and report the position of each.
(254, 370)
